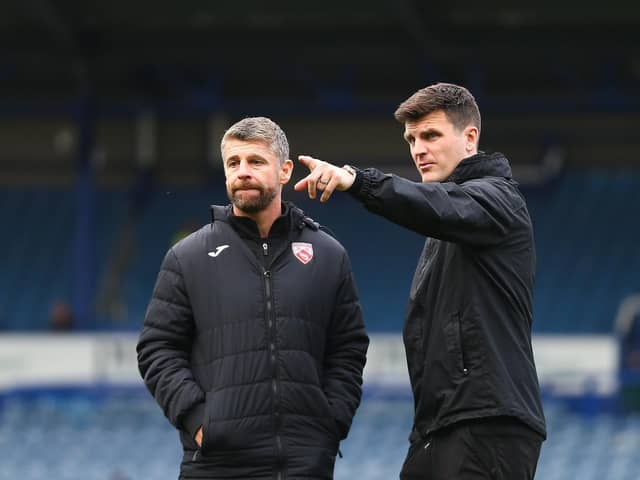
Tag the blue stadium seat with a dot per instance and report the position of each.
(122, 437)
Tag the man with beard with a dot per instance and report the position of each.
(253, 343)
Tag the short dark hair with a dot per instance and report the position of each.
(455, 101)
(263, 129)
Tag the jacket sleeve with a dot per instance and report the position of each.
(164, 349)
(345, 353)
(478, 212)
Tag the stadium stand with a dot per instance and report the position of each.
(37, 246)
(38, 243)
(587, 248)
(588, 258)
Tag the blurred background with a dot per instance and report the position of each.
(111, 115)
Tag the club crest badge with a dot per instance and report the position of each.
(303, 251)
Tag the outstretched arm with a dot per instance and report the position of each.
(476, 212)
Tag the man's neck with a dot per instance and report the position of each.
(264, 219)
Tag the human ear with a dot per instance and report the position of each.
(471, 139)
(286, 169)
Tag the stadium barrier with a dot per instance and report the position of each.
(580, 369)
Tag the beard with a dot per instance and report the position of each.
(252, 204)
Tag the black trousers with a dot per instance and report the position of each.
(493, 448)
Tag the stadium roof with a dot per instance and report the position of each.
(334, 50)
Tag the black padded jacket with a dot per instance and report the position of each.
(264, 347)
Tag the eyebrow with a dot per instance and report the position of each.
(252, 156)
(421, 133)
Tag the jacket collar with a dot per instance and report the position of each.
(481, 165)
(291, 216)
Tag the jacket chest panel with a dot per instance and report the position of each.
(302, 288)
(233, 287)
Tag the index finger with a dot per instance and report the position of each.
(309, 162)
(301, 185)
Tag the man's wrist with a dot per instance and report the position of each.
(351, 171)
(356, 175)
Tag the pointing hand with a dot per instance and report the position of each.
(324, 177)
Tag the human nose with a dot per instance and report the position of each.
(243, 169)
(420, 148)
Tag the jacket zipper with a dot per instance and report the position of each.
(465, 370)
(275, 388)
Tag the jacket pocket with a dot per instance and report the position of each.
(327, 417)
(216, 430)
(455, 345)
(229, 424)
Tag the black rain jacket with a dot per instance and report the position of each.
(467, 331)
(262, 347)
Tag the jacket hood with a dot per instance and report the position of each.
(481, 165)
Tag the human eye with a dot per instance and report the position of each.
(430, 135)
